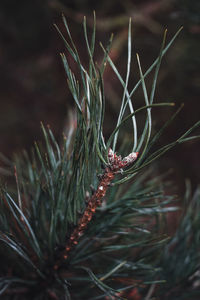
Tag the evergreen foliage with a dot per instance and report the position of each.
(124, 253)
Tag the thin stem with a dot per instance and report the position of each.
(116, 164)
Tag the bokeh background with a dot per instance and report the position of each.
(33, 83)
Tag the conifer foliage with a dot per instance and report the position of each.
(81, 222)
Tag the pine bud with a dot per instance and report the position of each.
(130, 158)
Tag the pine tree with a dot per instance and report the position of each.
(86, 219)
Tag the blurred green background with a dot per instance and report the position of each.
(33, 83)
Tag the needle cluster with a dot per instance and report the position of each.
(59, 240)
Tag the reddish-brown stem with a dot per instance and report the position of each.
(115, 165)
(90, 210)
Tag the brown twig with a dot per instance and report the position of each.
(116, 163)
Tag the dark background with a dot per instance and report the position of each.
(33, 83)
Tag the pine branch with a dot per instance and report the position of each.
(64, 241)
